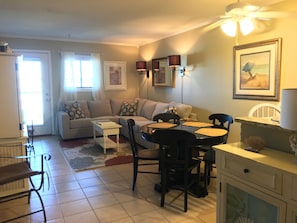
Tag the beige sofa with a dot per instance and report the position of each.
(74, 118)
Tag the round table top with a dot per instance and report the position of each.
(206, 133)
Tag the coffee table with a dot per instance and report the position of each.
(106, 128)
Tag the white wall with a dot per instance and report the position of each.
(208, 86)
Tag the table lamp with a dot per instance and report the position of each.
(288, 115)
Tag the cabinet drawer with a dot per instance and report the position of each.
(252, 172)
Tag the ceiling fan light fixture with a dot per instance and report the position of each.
(229, 28)
(246, 26)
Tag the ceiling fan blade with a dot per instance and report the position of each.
(271, 14)
(214, 25)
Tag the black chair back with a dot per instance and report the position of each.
(176, 160)
(177, 143)
(220, 120)
(133, 144)
(167, 117)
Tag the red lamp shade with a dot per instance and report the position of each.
(156, 65)
(174, 60)
(141, 66)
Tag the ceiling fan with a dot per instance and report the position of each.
(244, 16)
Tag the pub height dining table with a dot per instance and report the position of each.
(207, 135)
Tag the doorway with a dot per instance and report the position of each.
(35, 96)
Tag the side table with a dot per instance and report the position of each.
(106, 128)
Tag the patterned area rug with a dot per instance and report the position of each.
(83, 154)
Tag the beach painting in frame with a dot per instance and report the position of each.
(256, 70)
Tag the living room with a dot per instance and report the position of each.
(209, 78)
(208, 83)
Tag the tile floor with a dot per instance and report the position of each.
(104, 195)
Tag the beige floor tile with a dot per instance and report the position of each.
(95, 190)
(86, 217)
(85, 174)
(53, 212)
(125, 195)
(111, 213)
(88, 182)
(137, 207)
(68, 196)
(67, 186)
(75, 207)
(150, 217)
(105, 195)
(60, 220)
(102, 201)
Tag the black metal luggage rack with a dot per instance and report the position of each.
(22, 168)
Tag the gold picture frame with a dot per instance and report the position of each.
(257, 70)
(115, 77)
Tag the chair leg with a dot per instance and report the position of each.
(186, 183)
(164, 175)
(42, 204)
(163, 186)
(135, 171)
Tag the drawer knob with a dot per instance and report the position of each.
(245, 170)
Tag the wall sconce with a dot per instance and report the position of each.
(141, 66)
(288, 115)
(173, 62)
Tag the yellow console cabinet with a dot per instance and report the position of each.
(255, 187)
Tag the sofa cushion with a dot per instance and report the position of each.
(160, 108)
(141, 102)
(128, 109)
(182, 110)
(74, 110)
(80, 123)
(148, 109)
(99, 108)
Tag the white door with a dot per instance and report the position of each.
(35, 96)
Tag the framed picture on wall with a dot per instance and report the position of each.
(115, 77)
(163, 76)
(256, 70)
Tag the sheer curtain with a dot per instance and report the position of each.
(97, 89)
(69, 91)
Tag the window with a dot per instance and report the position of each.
(78, 71)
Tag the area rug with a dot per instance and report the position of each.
(83, 154)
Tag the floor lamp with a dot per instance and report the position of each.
(173, 62)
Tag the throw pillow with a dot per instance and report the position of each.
(183, 110)
(128, 109)
(74, 110)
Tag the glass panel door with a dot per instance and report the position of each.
(247, 204)
(34, 91)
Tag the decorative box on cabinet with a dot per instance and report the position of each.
(260, 187)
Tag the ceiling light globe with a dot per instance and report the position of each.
(229, 28)
(246, 26)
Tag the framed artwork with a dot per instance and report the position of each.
(256, 70)
(115, 77)
(162, 77)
